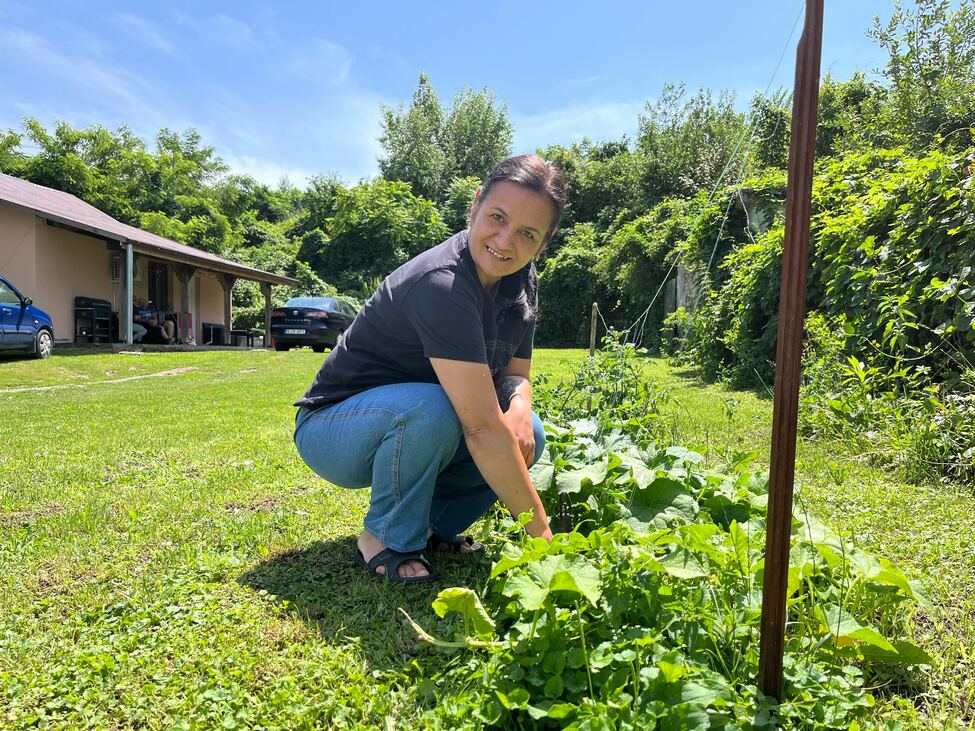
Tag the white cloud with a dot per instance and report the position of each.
(319, 61)
(144, 32)
(231, 31)
(599, 121)
(93, 79)
(266, 171)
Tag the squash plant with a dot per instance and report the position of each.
(647, 613)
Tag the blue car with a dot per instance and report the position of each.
(23, 327)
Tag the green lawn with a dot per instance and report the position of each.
(166, 560)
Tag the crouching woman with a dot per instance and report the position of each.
(408, 401)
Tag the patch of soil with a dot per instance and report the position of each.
(260, 506)
(25, 517)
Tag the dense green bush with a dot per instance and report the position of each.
(376, 227)
(567, 289)
(894, 250)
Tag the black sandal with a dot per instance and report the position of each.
(391, 560)
(437, 544)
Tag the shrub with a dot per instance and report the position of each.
(567, 289)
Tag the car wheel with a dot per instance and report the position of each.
(279, 346)
(318, 348)
(43, 344)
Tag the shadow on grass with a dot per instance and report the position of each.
(329, 592)
(700, 378)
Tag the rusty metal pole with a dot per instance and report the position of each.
(592, 343)
(788, 356)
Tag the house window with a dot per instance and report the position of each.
(159, 285)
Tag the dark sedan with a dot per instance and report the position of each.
(314, 321)
(23, 327)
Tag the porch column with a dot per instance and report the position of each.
(266, 291)
(184, 272)
(227, 280)
(127, 293)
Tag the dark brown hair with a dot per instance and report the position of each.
(541, 176)
(536, 174)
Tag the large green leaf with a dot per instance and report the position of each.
(847, 631)
(572, 573)
(543, 471)
(906, 653)
(662, 501)
(641, 473)
(684, 565)
(575, 480)
(466, 602)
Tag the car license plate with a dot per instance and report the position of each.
(294, 332)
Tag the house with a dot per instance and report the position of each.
(56, 247)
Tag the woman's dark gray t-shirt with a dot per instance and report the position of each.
(431, 307)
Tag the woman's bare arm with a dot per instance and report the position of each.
(490, 439)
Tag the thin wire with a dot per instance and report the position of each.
(750, 131)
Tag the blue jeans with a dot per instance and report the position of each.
(406, 441)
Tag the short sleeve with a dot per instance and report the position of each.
(527, 343)
(445, 312)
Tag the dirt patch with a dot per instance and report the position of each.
(160, 374)
(260, 506)
(248, 370)
(25, 517)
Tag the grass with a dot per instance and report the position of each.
(167, 561)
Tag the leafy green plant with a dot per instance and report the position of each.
(647, 613)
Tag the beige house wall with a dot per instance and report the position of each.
(18, 261)
(210, 307)
(70, 265)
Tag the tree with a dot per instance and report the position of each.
(411, 139)
(457, 202)
(377, 226)
(428, 148)
(476, 134)
(686, 143)
(931, 70)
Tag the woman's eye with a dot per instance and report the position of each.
(528, 235)
(497, 217)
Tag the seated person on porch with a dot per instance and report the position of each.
(146, 325)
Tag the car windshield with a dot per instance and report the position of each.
(322, 303)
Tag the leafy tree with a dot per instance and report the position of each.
(411, 140)
(11, 159)
(686, 143)
(236, 195)
(377, 226)
(771, 120)
(567, 289)
(317, 205)
(476, 134)
(427, 147)
(457, 204)
(931, 70)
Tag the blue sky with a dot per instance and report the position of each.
(296, 88)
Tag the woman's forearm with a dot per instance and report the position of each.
(495, 452)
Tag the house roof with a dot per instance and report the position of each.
(72, 212)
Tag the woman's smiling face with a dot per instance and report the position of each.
(508, 227)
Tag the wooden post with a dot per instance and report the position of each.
(227, 280)
(788, 358)
(266, 291)
(184, 273)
